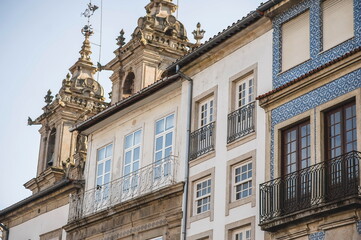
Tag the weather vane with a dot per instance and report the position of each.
(87, 29)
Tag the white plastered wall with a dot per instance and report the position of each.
(143, 117)
(44, 223)
(257, 53)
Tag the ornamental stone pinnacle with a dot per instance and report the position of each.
(198, 34)
(48, 97)
(120, 39)
(85, 51)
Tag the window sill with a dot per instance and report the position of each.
(241, 140)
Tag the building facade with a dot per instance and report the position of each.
(251, 135)
(312, 161)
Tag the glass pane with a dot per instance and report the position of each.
(128, 141)
(107, 178)
(168, 139)
(100, 169)
(101, 154)
(169, 122)
(136, 154)
(109, 150)
(159, 143)
(168, 152)
(158, 156)
(99, 181)
(127, 170)
(137, 135)
(128, 157)
(107, 166)
(135, 166)
(159, 126)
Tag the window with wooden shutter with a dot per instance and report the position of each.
(296, 41)
(338, 22)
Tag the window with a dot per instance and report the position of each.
(157, 238)
(132, 152)
(296, 148)
(296, 41)
(164, 130)
(241, 230)
(128, 86)
(206, 112)
(296, 155)
(51, 148)
(242, 181)
(341, 135)
(203, 196)
(104, 159)
(244, 92)
(242, 234)
(338, 25)
(341, 138)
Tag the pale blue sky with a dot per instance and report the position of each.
(40, 40)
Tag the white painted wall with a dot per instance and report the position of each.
(44, 223)
(143, 117)
(257, 52)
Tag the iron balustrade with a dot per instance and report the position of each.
(318, 184)
(241, 122)
(202, 141)
(148, 179)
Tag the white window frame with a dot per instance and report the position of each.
(248, 180)
(163, 135)
(103, 188)
(243, 231)
(206, 112)
(207, 195)
(245, 95)
(130, 149)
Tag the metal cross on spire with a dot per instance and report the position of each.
(91, 8)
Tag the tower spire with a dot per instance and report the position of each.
(85, 51)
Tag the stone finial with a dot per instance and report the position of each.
(120, 39)
(198, 34)
(85, 51)
(66, 81)
(48, 98)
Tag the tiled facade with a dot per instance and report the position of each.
(317, 58)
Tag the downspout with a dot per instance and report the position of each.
(186, 159)
(6, 231)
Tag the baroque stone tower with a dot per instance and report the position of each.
(157, 41)
(79, 98)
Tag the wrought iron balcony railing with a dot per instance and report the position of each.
(148, 179)
(202, 141)
(318, 184)
(241, 122)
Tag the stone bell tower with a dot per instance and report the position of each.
(157, 41)
(79, 98)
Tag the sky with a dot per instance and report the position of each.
(40, 40)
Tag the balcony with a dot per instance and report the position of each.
(241, 122)
(202, 141)
(320, 188)
(146, 180)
